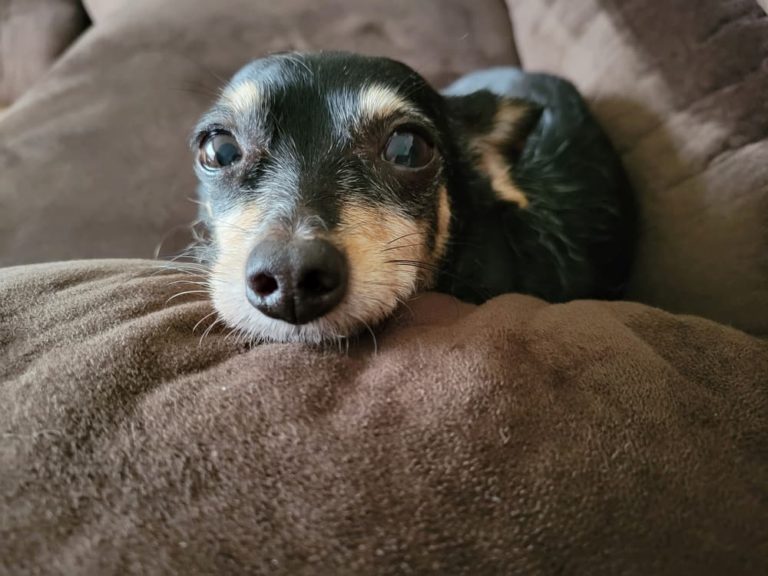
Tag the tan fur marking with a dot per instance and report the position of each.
(242, 97)
(443, 225)
(234, 234)
(372, 238)
(492, 161)
(507, 117)
(379, 101)
(236, 225)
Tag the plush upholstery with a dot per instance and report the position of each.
(512, 438)
(33, 34)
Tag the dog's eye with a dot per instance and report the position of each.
(219, 149)
(407, 149)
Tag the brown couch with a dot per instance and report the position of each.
(515, 437)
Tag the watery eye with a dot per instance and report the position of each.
(219, 149)
(407, 149)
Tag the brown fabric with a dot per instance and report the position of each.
(512, 438)
(100, 9)
(682, 92)
(33, 33)
(94, 161)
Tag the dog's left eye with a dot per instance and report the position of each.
(219, 149)
(407, 149)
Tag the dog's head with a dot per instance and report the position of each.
(324, 182)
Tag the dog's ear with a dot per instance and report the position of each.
(495, 131)
(487, 120)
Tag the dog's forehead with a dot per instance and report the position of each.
(344, 86)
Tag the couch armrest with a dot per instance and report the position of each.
(33, 33)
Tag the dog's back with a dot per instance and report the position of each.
(572, 231)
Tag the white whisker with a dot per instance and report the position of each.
(203, 320)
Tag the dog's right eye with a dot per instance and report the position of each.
(407, 149)
(219, 150)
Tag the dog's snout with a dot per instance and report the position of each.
(296, 281)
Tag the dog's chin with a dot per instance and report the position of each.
(349, 319)
(254, 327)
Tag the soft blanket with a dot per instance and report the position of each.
(515, 437)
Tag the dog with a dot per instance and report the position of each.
(336, 186)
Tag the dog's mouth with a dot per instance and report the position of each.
(304, 287)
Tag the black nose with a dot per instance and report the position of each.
(295, 281)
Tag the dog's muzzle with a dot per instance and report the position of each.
(296, 281)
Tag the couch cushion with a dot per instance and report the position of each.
(33, 33)
(94, 161)
(682, 92)
(511, 438)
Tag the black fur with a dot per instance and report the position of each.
(576, 238)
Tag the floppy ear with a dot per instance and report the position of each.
(487, 119)
(495, 131)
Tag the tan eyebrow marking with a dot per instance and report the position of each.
(242, 97)
(377, 101)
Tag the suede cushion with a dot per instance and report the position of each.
(33, 33)
(515, 437)
(682, 92)
(94, 161)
